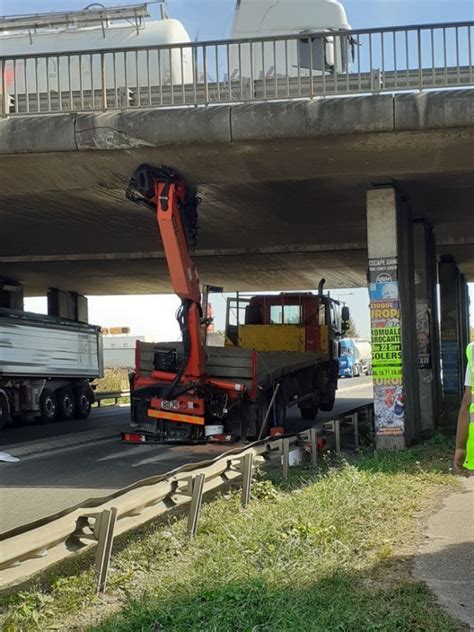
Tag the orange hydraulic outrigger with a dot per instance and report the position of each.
(184, 395)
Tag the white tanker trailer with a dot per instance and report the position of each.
(63, 61)
(95, 28)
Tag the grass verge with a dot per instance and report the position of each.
(327, 552)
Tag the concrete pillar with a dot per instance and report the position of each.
(427, 319)
(393, 318)
(11, 296)
(454, 300)
(69, 305)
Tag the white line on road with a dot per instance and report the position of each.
(357, 387)
(159, 457)
(128, 451)
(59, 450)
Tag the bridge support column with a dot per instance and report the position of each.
(11, 295)
(393, 319)
(67, 305)
(427, 319)
(454, 336)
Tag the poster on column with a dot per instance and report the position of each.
(389, 402)
(423, 337)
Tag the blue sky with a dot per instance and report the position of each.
(212, 19)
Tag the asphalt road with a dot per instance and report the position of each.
(66, 463)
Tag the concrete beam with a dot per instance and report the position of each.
(375, 113)
(434, 110)
(69, 305)
(319, 117)
(11, 295)
(153, 128)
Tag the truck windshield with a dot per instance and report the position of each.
(346, 349)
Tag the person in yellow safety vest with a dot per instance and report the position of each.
(464, 454)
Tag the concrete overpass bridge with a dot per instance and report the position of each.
(283, 189)
(301, 177)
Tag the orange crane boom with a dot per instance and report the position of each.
(184, 394)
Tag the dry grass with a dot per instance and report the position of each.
(113, 380)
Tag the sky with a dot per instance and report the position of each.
(212, 19)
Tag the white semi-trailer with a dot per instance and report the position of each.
(46, 366)
(62, 47)
(122, 28)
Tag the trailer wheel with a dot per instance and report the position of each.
(83, 402)
(66, 404)
(48, 406)
(4, 414)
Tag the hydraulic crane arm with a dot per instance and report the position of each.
(164, 191)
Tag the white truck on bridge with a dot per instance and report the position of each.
(46, 365)
(62, 47)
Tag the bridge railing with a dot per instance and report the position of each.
(311, 64)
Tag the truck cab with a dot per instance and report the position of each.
(269, 19)
(355, 357)
(298, 335)
(301, 322)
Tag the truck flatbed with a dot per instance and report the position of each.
(239, 365)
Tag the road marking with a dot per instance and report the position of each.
(159, 457)
(357, 387)
(63, 441)
(127, 451)
(55, 450)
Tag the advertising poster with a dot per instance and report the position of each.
(389, 402)
(423, 336)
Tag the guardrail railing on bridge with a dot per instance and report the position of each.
(420, 57)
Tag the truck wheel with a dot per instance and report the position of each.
(4, 414)
(83, 402)
(327, 401)
(66, 403)
(309, 413)
(48, 406)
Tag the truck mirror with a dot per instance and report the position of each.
(346, 315)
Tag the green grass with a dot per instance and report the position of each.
(326, 552)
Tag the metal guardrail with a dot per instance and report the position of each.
(101, 396)
(311, 64)
(31, 548)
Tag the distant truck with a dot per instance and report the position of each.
(46, 366)
(355, 357)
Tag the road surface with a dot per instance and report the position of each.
(66, 463)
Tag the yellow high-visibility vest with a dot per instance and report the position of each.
(469, 462)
